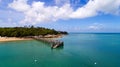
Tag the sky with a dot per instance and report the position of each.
(62, 15)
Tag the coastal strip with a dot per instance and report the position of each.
(51, 39)
(46, 37)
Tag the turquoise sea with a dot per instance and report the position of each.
(80, 50)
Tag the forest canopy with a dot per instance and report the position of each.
(27, 31)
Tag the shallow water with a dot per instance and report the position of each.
(80, 50)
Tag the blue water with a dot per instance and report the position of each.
(80, 50)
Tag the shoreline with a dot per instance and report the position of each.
(5, 39)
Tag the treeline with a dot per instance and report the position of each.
(27, 31)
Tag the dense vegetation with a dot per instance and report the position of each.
(27, 31)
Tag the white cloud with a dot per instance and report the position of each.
(20, 5)
(96, 26)
(38, 12)
(93, 7)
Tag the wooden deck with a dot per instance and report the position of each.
(53, 43)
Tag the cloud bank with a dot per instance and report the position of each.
(96, 26)
(38, 12)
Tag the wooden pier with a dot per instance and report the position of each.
(53, 43)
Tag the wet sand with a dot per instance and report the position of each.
(4, 39)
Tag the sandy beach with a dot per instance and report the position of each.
(48, 37)
(4, 39)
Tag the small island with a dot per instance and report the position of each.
(25, 33)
